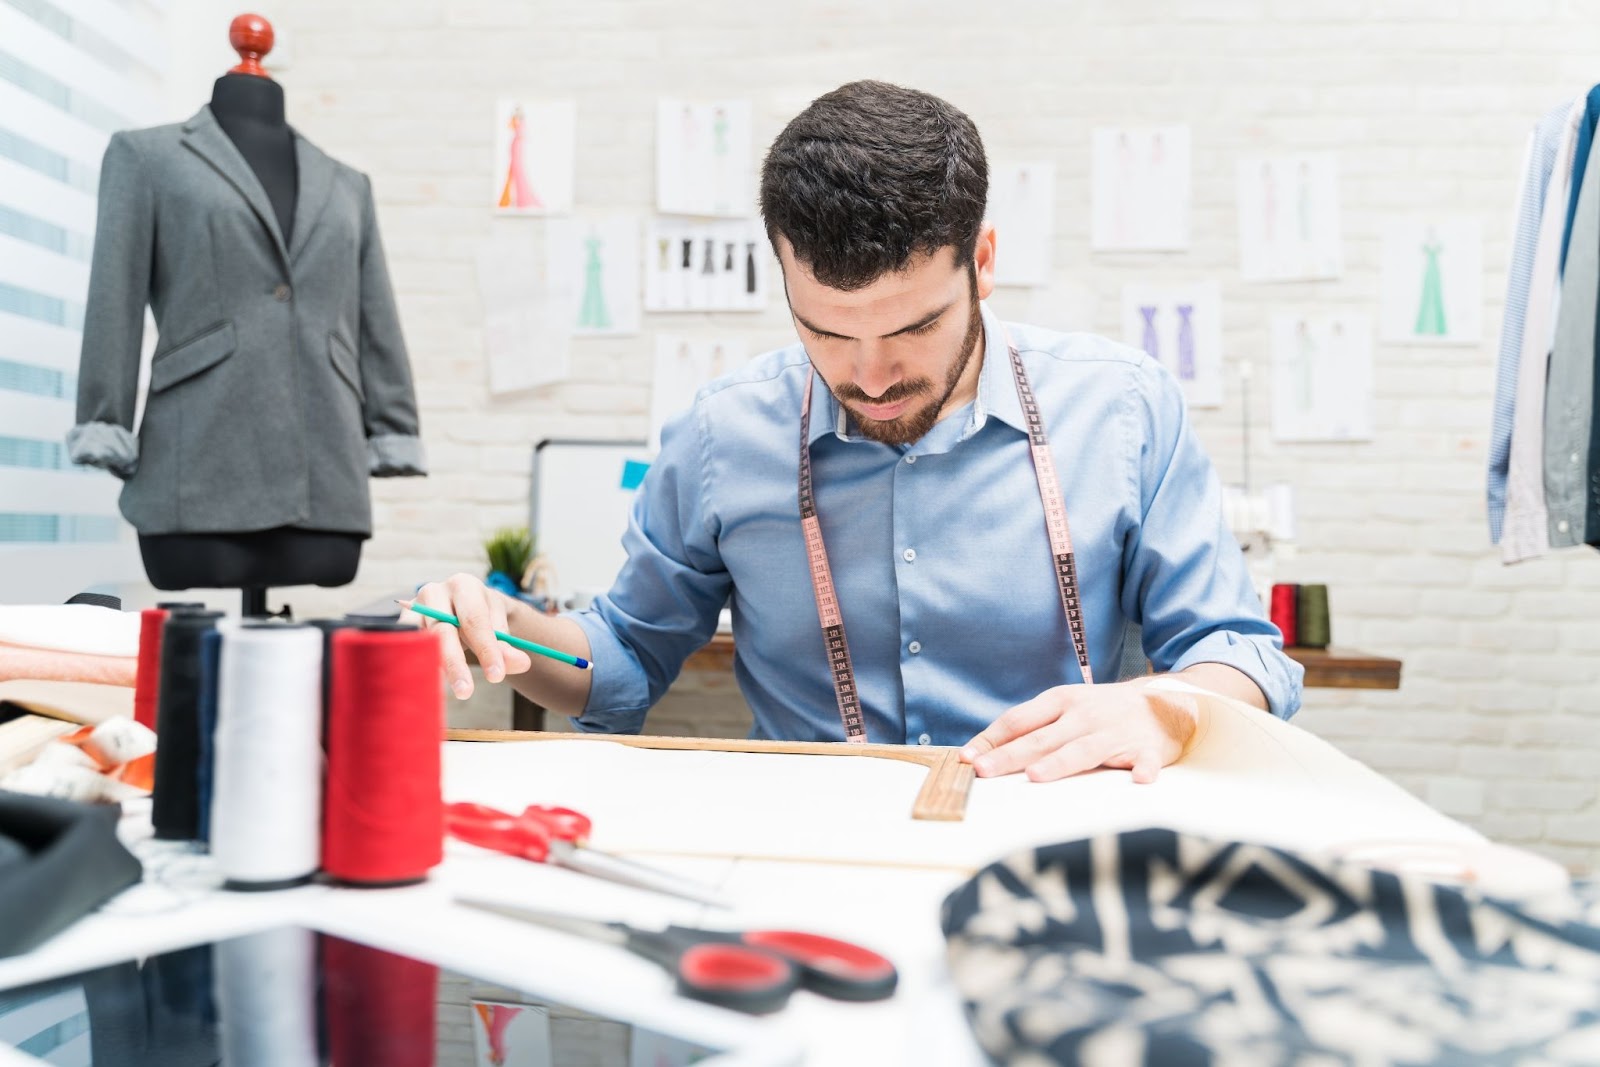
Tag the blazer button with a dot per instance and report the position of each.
(282, 293)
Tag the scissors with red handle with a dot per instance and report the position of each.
(751, 971)
(560, 836)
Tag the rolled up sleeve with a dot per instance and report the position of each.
(663, 606)
(1185, 577)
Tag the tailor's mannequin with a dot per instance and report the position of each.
(249, 108)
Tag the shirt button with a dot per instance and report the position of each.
(281, 293)
(914, 647)
(913, 459)
(909, 555)
(1562, 525)
(1574, 457)
(924, 739)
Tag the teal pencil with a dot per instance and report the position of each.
(515, 642)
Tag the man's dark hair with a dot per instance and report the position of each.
(870, 175)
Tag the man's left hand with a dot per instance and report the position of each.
(1075, 728)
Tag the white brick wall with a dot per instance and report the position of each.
(1425, 101)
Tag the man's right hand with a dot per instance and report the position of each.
(482, 611)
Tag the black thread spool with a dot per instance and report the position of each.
(175, 802)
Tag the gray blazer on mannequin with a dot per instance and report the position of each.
(280, 381)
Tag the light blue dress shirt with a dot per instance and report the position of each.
(1519, 274)
(938, 549)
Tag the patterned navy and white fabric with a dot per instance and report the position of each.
(1154, 947)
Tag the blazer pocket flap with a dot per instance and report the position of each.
(191, 357)
(345, 362)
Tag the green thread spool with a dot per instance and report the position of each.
(1313, 611)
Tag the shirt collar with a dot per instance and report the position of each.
(997, 391)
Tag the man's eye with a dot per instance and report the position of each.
(927, 327)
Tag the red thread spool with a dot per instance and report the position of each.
(383, 813)
(1286, 612)
(147, 682)
(380, 1007)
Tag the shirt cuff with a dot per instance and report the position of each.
(618, 694)
(394, 455)
(1257, 657)
(105, 445)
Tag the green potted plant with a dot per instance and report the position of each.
(509, 550)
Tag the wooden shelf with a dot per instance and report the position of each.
(1345, 668)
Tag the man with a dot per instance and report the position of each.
(957, 614)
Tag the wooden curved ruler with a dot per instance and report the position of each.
(942, 798)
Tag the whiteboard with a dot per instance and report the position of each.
(579, 501)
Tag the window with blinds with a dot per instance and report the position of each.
(71, 73)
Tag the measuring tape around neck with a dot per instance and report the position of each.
(828, 612)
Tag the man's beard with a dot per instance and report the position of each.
(912, 425)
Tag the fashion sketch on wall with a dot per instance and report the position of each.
(1022, 203)
(1179, 324)
(704, 159)
(682, 365)
(1321, 378)
(1141, 189)
(534, 147)
(706, 266)
(1432, 281)
(525, 343)
(1289, 218)
(592, 268)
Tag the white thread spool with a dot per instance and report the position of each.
(266, 800)
(266, 998)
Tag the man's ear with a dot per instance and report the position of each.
(983, 260)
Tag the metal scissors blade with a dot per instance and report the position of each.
(627, 872)
(595, 929)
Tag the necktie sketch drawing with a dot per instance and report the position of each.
(1304, 366)
(1149, 341)
(1125, 167)
(1186, 342)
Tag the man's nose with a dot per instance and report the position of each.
(874, 376)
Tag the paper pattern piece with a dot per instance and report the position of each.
(1180, 326)
(593, 267)
(535, 144)
(1432, 281)
(524, 343)
(704, 161)
(1321, 378)
(510, 1035)
(682, 366)
(708, 266)
(1321, 799)
(1141, 189)
(1289, 218)
(1022, 206)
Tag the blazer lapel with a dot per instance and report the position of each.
(316, 185)
(205, 138)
